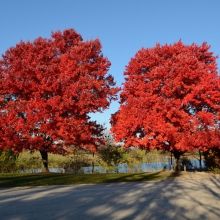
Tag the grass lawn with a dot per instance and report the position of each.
(46, 179)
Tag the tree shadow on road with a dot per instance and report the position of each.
(183, 196)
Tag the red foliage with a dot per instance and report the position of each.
(47, 89)
(170, 99)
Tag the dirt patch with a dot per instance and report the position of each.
(191, 175)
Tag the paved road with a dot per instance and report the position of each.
(193, 196)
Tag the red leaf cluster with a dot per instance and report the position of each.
(47, 89)
(170, 99)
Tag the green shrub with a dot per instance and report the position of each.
(8, 161)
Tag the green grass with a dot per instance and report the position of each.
(46, 179)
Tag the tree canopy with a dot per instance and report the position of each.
(47, 89)
(170, 99)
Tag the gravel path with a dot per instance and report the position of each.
(189, 196)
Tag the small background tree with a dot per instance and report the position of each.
(111, 155)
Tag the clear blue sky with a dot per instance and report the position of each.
(123, 26)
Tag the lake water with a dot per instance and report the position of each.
(144, 167)
(124, 168)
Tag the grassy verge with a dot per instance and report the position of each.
(46, 179)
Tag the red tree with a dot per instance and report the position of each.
(170, 100)
(47, 89)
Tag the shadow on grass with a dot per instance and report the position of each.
(13, 180)
(135, 177)
(45, 179)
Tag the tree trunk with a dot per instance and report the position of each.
(177, 155)
(171, 161)
(184, 167)
(177, 164)
(44, 156)
(93, 165)
(200, 160)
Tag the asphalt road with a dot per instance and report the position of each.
(193, 196)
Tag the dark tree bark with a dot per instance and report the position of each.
(44, 156)
(93, 164)
(171, 161)
(200, 160)
(177, 155)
